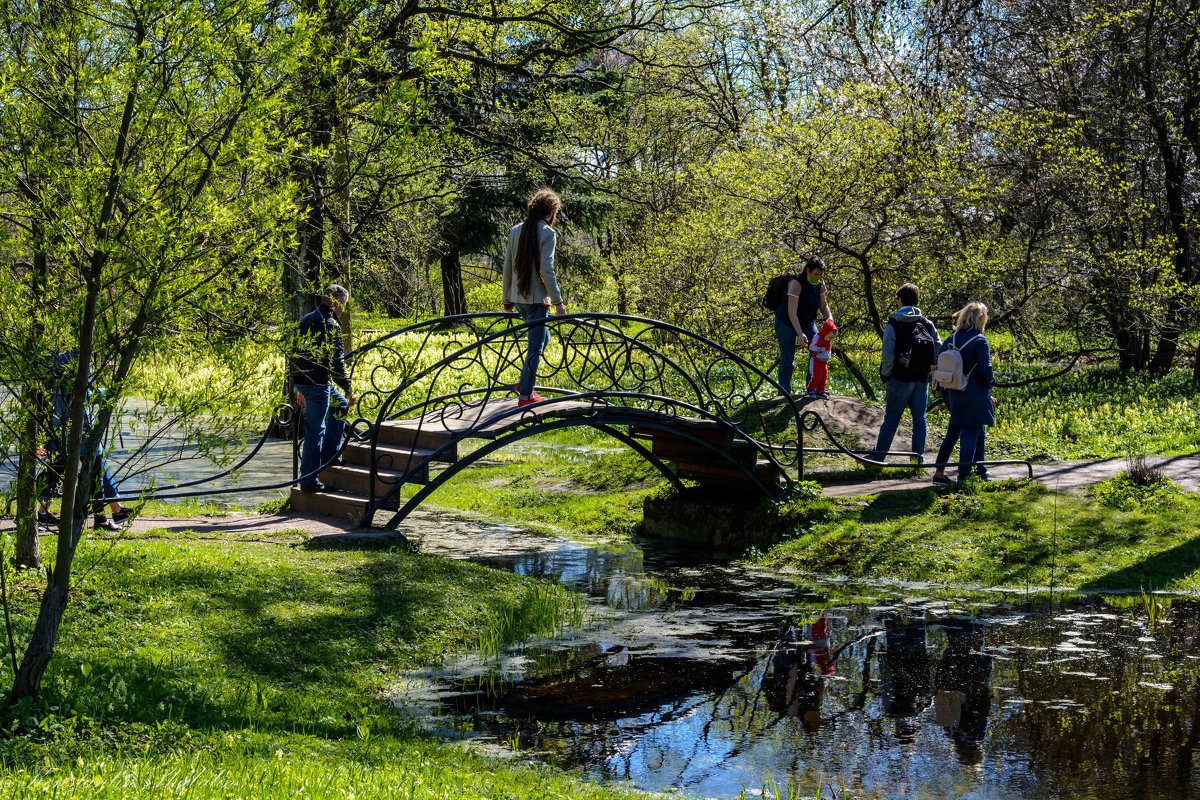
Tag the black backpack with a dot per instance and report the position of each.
(916, 349)
(776, 289)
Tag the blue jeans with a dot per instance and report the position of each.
(539, 337)
(970, 440)
(324, 421)
(785, 334)
(911, 395)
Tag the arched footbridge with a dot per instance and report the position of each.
(438, 396)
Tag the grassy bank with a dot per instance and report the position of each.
(1013, 534)
(577, 483)
(258, 666)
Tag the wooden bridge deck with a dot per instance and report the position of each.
(704, 450)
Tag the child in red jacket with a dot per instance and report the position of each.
(821, 348)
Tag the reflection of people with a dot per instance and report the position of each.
(791, 686)
(531, 283)
(905, 672)
(318, 369)
(964, 696)
(796, 316)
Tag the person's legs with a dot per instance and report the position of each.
(335, 425)
(980, 470)
(539, 337)
(786, 336)
(967, 447)
(819, 378)
(811, 333)
(918, 399)
(316, 408)
(895, 401)
(49, 480)
(953, 432)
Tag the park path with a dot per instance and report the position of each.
(1184, 470)
(1065, 476)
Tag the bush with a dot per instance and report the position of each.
(1137, 487)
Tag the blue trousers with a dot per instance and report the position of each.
(971, 440)
(324, 421)
(785, 334)
(539, 337)
(901, 395)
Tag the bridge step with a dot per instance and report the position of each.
(676, 448)
(356, 480)
(329, 504)
(391, 458)
(412, 434)
(724, 474)
(706, 429)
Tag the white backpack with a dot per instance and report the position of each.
(948, 373)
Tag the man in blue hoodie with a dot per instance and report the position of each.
(910, 344)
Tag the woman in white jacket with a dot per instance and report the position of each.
(530, 284)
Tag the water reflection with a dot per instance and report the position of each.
(796, 673)
(963, 685)
(708, 678)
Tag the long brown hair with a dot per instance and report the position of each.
(542, 205)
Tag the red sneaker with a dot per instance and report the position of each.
(528, 401)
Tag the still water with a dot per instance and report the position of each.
(710, 679)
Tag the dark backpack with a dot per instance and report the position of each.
(776, 289)
(916, 349)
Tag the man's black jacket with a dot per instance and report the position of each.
(319, 357)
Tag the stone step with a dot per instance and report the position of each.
(387, 457)
(329, 504)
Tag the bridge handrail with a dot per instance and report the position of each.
(699, 376)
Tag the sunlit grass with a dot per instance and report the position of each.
(237, 667)
(1013, 534)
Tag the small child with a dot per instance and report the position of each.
(821, 348)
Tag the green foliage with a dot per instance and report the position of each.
(1128, 491)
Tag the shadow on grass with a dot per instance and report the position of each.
(1155, 572)
(890, 506)
(265, 647)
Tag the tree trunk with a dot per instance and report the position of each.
(28, 681)
(454, 297)
(864, 384)
(28, 551)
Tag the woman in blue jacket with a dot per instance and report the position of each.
(972, 408)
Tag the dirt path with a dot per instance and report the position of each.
(1184, 470)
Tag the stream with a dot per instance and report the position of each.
(708, 678)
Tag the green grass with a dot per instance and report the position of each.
(298, 768)
(1011, 534)
(576, 482)
(194, 667)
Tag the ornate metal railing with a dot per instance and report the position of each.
(449, 364)
(619, 370)
(630, 370)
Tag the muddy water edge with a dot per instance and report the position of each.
(704, 677)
